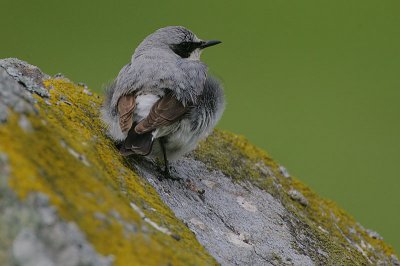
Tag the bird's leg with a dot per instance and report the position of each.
(166, 164)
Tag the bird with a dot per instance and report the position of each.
(164, 101)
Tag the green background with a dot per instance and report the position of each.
(315, 83)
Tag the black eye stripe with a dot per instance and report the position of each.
(184, 49)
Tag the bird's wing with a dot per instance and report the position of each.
(126, 106)
(164, 112)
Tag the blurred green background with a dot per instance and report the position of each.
(315, 83)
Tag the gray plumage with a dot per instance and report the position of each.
(165, 70)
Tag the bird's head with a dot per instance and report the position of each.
(177, 40)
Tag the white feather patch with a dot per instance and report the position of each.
(143, 105)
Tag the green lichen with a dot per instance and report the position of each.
(338, 233)
(67, 157)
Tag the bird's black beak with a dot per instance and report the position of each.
(206, 44)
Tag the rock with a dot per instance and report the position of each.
(374, 234)
(284, 171)
(31, 77)
(68, 198)
(297, 196)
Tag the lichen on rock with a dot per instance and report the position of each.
(59, 173)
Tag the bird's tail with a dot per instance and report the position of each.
(137, 143)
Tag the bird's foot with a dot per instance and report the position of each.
(123, 150)
(167, 175)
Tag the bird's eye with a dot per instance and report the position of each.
(184, 49)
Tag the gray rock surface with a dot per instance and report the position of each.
(13, 96)
(31, 77)
(238, 223)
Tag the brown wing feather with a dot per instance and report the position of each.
(126, 106)
(164, 112)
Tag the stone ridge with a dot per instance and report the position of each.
(233, 205)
